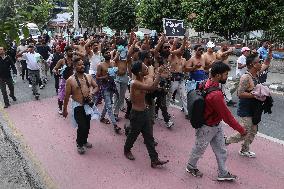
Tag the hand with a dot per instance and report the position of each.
(245, 133)
(65, 113)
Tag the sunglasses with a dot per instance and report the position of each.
(167, 47)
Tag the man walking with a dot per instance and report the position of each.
(212, 132)
(6, 64)
(139, 120)
(81, 87)
(33, 65)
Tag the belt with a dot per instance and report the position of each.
(214, 125)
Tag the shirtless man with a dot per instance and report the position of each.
(66, 67)
(196, 65)
(108, 88)
(177, 63)
(80, 86)
(140, 122)
(210, 57)
(223, 55)
(121, 80)
(95, 57)
(80, 49)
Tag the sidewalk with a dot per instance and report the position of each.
(51, 140)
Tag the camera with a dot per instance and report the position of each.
(88, 101)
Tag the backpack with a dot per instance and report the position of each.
(196, 105)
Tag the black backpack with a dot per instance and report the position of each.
(196, 105)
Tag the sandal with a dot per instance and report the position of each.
(105, 121)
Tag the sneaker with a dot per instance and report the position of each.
(228, 177)
(37, 96)
(60, 111)
(81, 150)
(169, 124)
(88, 145)
(247, 154)
(13, 97)
(194, 172)
(30, 86)
(42, 86)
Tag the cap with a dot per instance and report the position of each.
(245, 49)
(210, 44)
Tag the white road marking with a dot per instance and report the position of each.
(258, 134)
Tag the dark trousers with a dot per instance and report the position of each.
(161, 103)
(3, 83)
(24, 70)
(140, 123)
(83, 122)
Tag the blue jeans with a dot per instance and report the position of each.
(107, 95)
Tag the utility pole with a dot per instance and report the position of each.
(76, 16)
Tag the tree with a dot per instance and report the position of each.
(37, 11)
(231, 17)
(152, 12)
(120, 15)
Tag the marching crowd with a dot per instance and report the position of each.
(140, 77)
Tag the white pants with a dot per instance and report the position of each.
(180, 87)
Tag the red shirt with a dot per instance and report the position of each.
(216, 110)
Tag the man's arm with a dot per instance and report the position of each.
(13, 66)
(68, 91)
(220, 107)
(57, 66)
(189, 67)
(147, 87)
(243, 87)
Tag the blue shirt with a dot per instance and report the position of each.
(263, 53)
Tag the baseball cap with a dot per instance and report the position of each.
(245, 49)
(210, 44)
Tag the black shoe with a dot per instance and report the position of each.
(126, 129)
(158, 162)
(129, 155)
(37, 96)
(6, 105)
(13, 97)
(117, 129)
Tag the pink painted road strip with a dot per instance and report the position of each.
(52, 140)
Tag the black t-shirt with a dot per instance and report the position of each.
(6, 65)
(56, 58)
(43, 51)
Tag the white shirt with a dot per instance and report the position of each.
(20, 49)
(241, 60)
(32, 60)
(94, 61)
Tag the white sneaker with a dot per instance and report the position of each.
(60, 112)
(30, 86)
(247, 154)
(169, 124)
(41, 87)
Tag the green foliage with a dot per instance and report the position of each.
(36, 11)
(151, 12)
(231, 17)
(120, 15)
